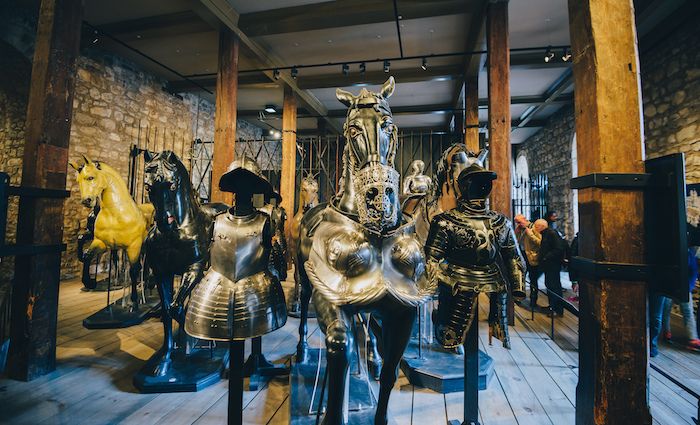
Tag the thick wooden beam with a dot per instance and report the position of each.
(150, 27)
(471, 113)
(228, 16)
(613, 354)
(499, 104)
(225, 116)
(289, 150)
(333, 14)
(45, 164)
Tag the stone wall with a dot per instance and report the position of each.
(671, 95)
(549, 152)
(116, 105)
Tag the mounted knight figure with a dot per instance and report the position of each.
(177, 245)
(360, 253)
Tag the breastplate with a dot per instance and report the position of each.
(470, 261)
(237, 249)
(352, 265)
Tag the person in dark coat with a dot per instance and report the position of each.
(551, 256)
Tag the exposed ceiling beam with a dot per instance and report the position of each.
(417, 109)
(244, 80)
(551, 95)
(335, 14)
(150, 27)
(228, 16)
(406, 75)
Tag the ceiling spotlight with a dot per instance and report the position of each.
(97, 38)
(549, 55)
(346, 69)
(270, 109)
(295, 72)
(387, 65)
(276, 74)
(566, 55)
(424, 64)
(363, 68)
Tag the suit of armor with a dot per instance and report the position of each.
(239, 297)
(465, 246)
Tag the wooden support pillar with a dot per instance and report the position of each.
(45, 164)
(225, 118)
(613, 353)
(499, 103)
(289, 151)
(471, 113)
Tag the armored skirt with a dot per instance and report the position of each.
(238, 298)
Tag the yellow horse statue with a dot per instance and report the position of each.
(121, 222)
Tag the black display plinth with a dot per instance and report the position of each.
(306, 382)
(257, 366)
(188, 372)
(440, 370)
(116, 315)
(103, 285)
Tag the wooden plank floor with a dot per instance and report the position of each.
(535, 382)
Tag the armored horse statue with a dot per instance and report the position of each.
(177, 245)
(360, 253)
(121, 223)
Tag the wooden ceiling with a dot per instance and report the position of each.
(182, 35)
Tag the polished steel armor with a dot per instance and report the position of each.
(239, 297)
(350, 264)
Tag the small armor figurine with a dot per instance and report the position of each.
(239, 297)
(463, 248)
(416, 182)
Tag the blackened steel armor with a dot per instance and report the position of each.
(464, 248)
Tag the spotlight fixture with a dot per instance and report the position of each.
(363, 68)
(549, 55)
(346, 69)
(97, 37)
(424, 64)
(566, 55)
(295, 72)
(276, 74)
(270, 109)
(387, 65)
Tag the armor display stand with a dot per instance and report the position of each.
(235, 382)
(428, 365)
(308, 381)
(257, 366)
(471, 379)
(121, 313)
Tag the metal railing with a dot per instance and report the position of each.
(568, 306)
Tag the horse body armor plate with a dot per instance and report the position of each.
(350, 265)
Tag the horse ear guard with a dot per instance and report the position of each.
(345, 97)
(388, 88)
(75, 166)
(148, 156)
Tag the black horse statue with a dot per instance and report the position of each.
(178, 244)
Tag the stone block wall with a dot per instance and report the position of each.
(549, 152)
(671, 96)
(116, 105)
